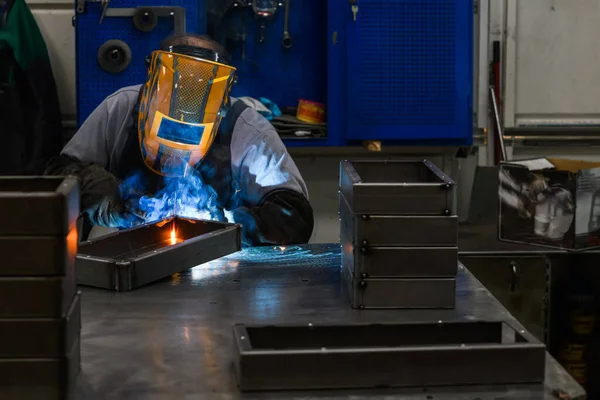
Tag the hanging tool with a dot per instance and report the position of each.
(287, 38)
(353, 8)
(104, 8)
(264, 11)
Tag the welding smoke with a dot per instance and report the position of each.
(187, 197)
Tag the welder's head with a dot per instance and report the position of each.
(182, 103)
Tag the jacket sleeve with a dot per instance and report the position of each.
(274, 206)
(86, 156)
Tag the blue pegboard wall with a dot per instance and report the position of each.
(94, 84)
(409, 71)
(281, 75)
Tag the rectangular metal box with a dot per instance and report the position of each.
(40, 378)
(398, 230)
(38, 255)
(135, 257)
(400, 262)
(385, 355)
(41, 337)
(38, 206)
(36, 297)
(368, 293)
(397, 187)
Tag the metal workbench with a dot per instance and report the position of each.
(173, 340)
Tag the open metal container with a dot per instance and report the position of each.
(415, 292)
(38, 206)
(41, 337)
(397, 187)
(134, 257)
(36, 297)
(41, 378)
(384, 355)
(399, 262)
(398, 230)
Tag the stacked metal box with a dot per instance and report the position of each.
(40, 319)
(399, 234)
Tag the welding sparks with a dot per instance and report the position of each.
(173, 236)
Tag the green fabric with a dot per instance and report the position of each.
(22, 34)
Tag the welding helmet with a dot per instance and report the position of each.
(181, 107)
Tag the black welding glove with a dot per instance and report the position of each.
(103, 201)
(284, 217)
(115, 212)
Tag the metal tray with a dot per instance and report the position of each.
(40, 378)
(398, 230)
(38, 206)
(135, 257)
(42, 337)
(381, 293)
(397, 187)
(400, 262)
(36, 297)
(38, 255)
(385, 355)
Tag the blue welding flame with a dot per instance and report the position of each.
(187, 197)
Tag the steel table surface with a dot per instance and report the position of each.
(173, 339)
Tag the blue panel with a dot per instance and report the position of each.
(410, 71)
(93, 84)
(284, 76)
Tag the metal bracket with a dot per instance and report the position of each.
(80, 6)
(178, 14)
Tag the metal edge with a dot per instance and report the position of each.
(225, 230)
(519, 330)
(241, 338)
(141, 274)
(439, 173)
(350, 289)
(95, 265)
(350, 171)
(367, 281)
(362, 262)
(123, 275)
(348, 178)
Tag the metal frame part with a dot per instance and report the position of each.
(398, 230)
(400, 262)
(36, 297)
(397, 187)
(384, 355)
(40, 378)
(38, 255)
(42, 337)
(379, 293)
(97, 264)
(38, 206)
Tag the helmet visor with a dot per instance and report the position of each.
(181, 108)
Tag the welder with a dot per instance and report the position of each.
(182, 124)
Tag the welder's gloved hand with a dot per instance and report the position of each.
(114, 212)
(284, 217)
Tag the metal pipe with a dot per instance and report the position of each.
(497, 121)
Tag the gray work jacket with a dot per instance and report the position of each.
(260, 162)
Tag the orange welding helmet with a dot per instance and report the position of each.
(181, 107)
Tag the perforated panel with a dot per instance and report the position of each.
(283, 76)
(410, 72)
(94, 84)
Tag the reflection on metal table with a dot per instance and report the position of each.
(173, 340)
